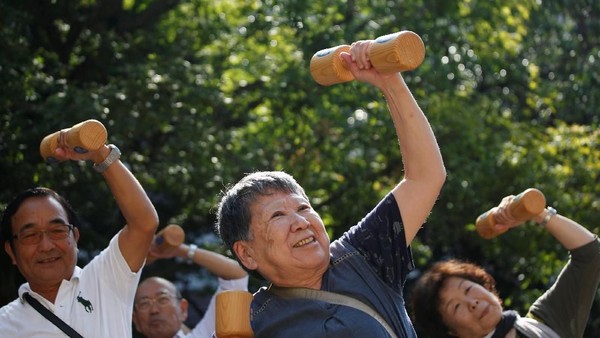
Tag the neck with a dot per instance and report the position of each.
(302, 284)
(48, 292)
(300, 279)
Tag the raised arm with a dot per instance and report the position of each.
(138, 211)
(424, 172)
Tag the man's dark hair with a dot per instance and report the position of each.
(6, 233)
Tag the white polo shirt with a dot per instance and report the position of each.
(96, 302)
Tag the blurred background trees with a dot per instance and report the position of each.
(196, 93)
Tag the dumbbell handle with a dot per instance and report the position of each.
(523, 207)
(232, 314)
(392, 53)
(85, 136)
(168, 238)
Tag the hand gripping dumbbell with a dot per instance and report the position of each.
(392, 53)
(86, 136)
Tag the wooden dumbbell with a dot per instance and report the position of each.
(232, 313)
(523, 207)
(168, 238)
(392, 53)
(86, 136)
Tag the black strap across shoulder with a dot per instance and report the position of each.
(51, 316)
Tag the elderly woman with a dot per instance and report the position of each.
(459, 299)
(267, 220)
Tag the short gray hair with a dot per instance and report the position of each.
(234, 216)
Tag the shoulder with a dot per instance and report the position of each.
(15, 305)
(12, 316)
(261, 300)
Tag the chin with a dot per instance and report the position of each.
(493, 318)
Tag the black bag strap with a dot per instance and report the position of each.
(51, 316)
(334, 298)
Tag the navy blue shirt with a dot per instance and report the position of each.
(369, 262)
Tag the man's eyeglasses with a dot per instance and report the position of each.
(29, 236)
(162, 300)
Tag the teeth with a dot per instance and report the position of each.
(304, 242)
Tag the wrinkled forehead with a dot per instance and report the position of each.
(153, 288)
(277, 200)
(38, 209)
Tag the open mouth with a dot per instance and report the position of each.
(304, 242)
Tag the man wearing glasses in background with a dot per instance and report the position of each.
(40, 234)
(160, 311)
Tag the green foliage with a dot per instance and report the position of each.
(197, 93)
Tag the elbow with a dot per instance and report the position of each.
(150, 221)
(439, 178)
(154, 221)
(437, 173)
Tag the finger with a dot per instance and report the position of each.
(354, 52)
(60, 153)
(349, 59)
(358, 50)
(506, 201)
(501, 227)
(364, 54)
(62, 138)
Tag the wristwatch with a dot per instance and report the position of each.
(113, 155)
(191, 252)
(550, 212)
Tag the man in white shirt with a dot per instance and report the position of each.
(40, 235)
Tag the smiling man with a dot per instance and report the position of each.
(267, 220)
(40, 234)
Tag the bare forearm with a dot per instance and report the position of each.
(140, 215)
(219, 265)
(569, 233)
(420, 151)
(136, 207)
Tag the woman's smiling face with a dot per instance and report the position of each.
(468, 309)
(289, 245)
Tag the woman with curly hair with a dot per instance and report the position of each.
(459, 299)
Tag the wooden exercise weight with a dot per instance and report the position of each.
(170, 237)
(391, 53)
(85, 136)
(523, 207)
(232, 314)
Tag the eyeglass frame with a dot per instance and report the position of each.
(39, 234)
(165, 297)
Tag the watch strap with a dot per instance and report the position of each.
(113, 155)
(550, 212)
(191, 252)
